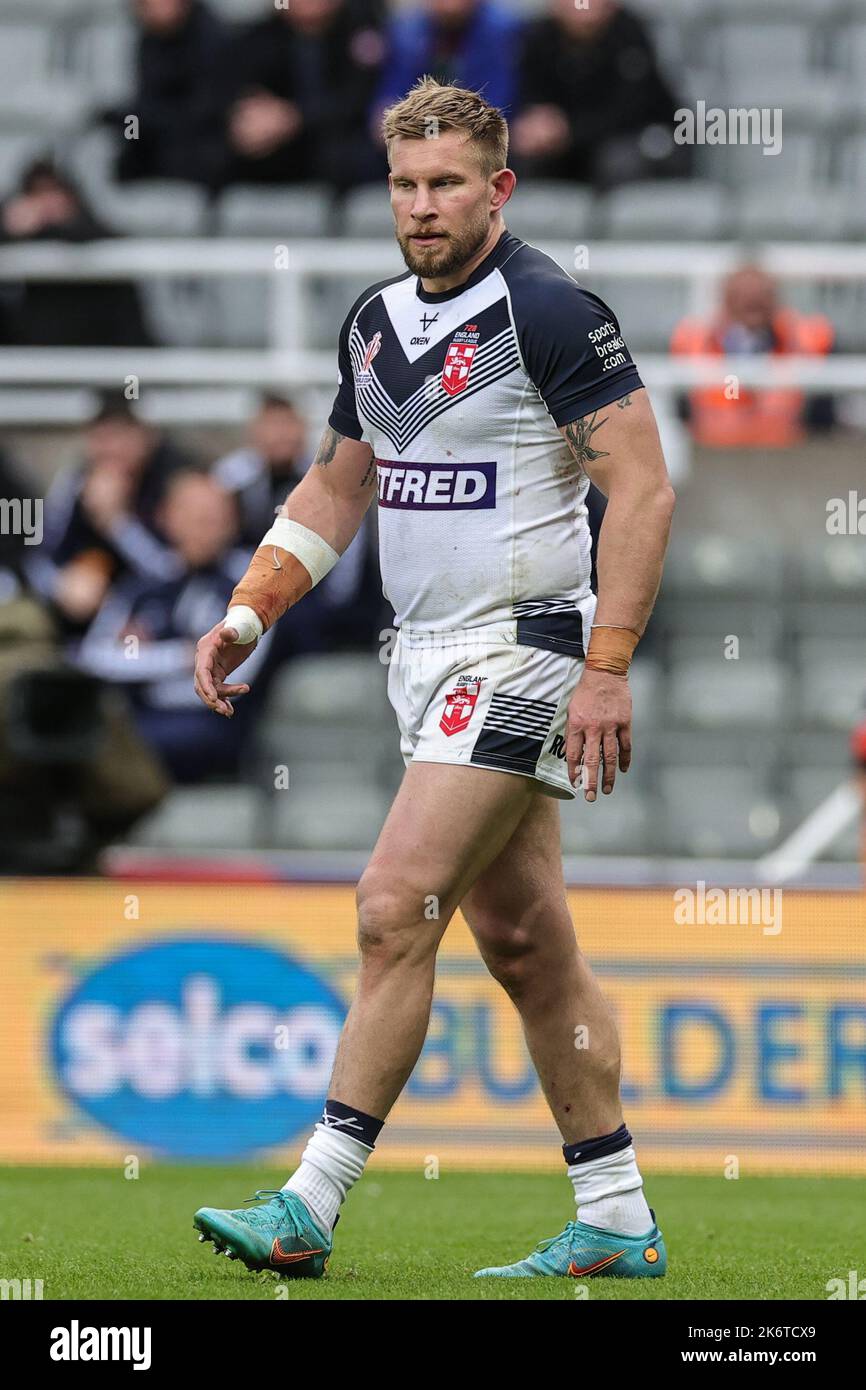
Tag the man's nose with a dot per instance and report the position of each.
(422, 209)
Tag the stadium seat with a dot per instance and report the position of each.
(718, 811)
(25, 55)
(312, 750)
(241, 307)
(842, 618)
(204, 818)
(546, 211)
(780, 214)
(852, 165)
(328, 817)
(180, 312)
(736, 48)
(153, 208)
(809, 101)
(804, 161)
(301, 211)
(35, 92)
(55, 107)
(851, 49)
(834, 567)
(831, 687)
(666, 209)
(719, 564)
(765, 11)
(330, 688)
(367, 213)
(645, 679)
(724, 694)
(103, 57)
(625, 822)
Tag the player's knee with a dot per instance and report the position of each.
(388, 920)
(510, 953)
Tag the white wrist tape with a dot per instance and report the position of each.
(315, 555)
(246, 623)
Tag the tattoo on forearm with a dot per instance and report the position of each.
(328, 447)
(621, 405)
(370, 475)
(579, 433)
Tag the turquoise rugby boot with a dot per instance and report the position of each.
(584, 1252)
(280, 1235)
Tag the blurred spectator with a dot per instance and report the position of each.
(73, 772)
(593, 105)
(471, 42)
(144, 637)
(752, 321)
(101, 519)
(63, 313)
(298, 93)
(179, 48)
(262, 473)
(343, 609)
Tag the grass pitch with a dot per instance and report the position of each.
(89, 1233)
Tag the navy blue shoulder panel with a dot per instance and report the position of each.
(569, 339)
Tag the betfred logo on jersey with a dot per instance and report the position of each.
(459, 704)
(458, 359)
(459, 487)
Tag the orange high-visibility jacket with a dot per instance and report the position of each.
(770, 418)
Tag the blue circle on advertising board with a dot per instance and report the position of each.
(198, 1048)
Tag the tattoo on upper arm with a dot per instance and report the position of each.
(621, 405)
(328, 447)
(579, 433)
(370, 475)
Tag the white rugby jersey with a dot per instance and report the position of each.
(460, 394)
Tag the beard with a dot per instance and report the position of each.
(449, 253)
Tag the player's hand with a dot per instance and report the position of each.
(217, 654)
(598, 731)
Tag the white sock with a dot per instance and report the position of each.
(330, 1165)
(609, 1193)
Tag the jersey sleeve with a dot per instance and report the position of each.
(574, 351)
(344, 412)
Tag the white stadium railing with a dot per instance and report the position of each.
(53, 385)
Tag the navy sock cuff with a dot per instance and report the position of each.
(588, 1149)
(343, 1118)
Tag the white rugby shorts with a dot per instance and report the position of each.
(481, 697)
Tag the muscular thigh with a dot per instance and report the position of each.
(520, 896)
(447, 823)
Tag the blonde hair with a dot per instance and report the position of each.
(431, 106)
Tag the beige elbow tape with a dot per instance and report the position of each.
(315, 555)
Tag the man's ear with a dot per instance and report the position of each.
(504, 184)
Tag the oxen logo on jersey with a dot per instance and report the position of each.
(365, 376)
(458, 359)
(459, 704)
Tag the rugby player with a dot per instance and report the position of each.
(482, 389)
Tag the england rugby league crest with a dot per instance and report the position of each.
(458, 359)
(459, 705)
